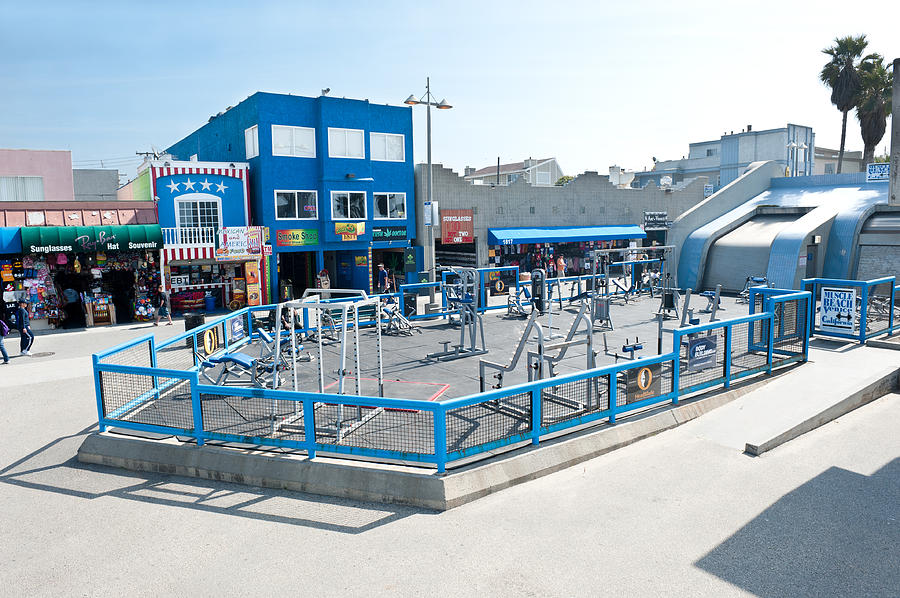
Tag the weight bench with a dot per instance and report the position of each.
(710, 301)
(285, 347)
(234, 367)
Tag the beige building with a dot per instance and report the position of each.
(827, 159)
(540, 173)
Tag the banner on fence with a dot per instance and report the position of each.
(702, 353)
(236, 326)
(838, 310)
(642, 383)
(499, 282)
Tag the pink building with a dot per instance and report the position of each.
(36, 175)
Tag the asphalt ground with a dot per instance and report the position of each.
(679, 514)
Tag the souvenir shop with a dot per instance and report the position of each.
(533, 248)
(74, 277)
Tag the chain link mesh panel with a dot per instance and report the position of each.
(136, 355)
(790, 329)
(571, 400)
(490, 421)
(693, 372)
(177, 356)
(237, 417)
(134, 398)
(749, 346)
(403, 430)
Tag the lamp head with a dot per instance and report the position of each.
(411, 100)
(443, 105)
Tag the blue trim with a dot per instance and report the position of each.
(563, 234)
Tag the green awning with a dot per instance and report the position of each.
(91, 239)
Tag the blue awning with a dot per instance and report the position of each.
(563, 234)
(10, 240)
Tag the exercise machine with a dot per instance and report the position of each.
(463, 297)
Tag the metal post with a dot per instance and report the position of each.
(440, 438)
(196, 411)
(727, 371)
(309, 427)
(863, 311)
(894, 191)
(613, 393)
(98, 391)
(432, 270)
(535, 416)
(676, 365)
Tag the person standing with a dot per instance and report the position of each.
(23, 324)
(561, 266)
(4, 330)
(163, 306)
(384, 280)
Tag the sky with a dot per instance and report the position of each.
(594, 84)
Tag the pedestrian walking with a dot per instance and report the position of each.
(4, 331)
(23, 324)
(384, 280)
(163, 306)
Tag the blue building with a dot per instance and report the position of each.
(331, 180)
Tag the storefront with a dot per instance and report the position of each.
(227, 275)
(530, 248)
(75, 276)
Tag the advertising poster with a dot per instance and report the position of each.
(499, 282)
(239, 243)
(251, 271)
(642, 383)
(838, 310)
(457, 226)
(236, 329)
(702, 353)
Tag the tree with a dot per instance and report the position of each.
(873, 105)
(841, 74)
(564, 180)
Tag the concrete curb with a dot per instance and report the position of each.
(394, 483)
(885, 382)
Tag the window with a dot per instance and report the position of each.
(712, 152)
(199, 213)
(349, 205)
(388, 147)
(531, 210)
(251, 141)
(346, 143)
(293, 141)
(21, 188)
(543, 178)
(296, 205)
(390, 205)
(829, 168)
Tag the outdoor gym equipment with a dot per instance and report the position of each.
(484, 365)
(463, 297)
(515, 303)
(541, 362)
(656, 261)
(752, 281)
(713, 302)
(629, 348)
(669, 299)
(394, 320)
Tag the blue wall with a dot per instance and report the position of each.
(231, 197)
(222, 139)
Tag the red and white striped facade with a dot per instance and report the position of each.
(174, 254)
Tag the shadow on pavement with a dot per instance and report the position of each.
(54, 468)
(836, 535)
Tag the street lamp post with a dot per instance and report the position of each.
(428, 100)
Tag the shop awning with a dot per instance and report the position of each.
(563, 234)
(10, 240)
(90, 239)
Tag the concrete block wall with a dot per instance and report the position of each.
(589, 200)
(876, 261)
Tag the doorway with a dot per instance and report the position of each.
(300, 268)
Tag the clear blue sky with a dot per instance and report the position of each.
(591, 83)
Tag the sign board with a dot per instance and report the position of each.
(642, 383)
(838, 310)
(878, 172)
(707, 190)
(409, 260)
(499, 282)
(236, 329)
(254, 292)
(181, 280)
(239, 243)
(801, 261)
(267, 249)
(702, 352)
(457, 226)
(389, 233)
(297, 237)
(209, 341)
(349, 231)
(426, 214)
(656, 221)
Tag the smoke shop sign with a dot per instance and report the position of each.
(297, 237)
(389, 233)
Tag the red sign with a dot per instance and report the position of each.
(457, 226)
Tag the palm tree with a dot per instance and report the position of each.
(874, 103)
(842, 76)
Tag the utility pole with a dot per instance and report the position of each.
(894, 159)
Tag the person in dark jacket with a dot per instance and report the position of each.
(23, 324)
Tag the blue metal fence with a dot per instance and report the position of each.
(157, 388)
(871, 314)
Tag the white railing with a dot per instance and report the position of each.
(191, 237)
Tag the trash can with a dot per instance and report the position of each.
(192, 320)
(209, 303)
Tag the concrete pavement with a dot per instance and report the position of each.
(678, 514)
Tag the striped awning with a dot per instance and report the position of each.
(183, 254)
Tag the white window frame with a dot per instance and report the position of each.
(362, 138)
(251, 141)
(297, 211)
(294, 153)
(375, 206)
(372, 138)
(365, 206)
(537, 177)
(181, 200)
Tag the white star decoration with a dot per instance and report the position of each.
(206, 185)
(173, 186)
(220, 187)
(188, 184)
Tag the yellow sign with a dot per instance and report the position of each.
(349, 231)
(362, 260)
(210, 341)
